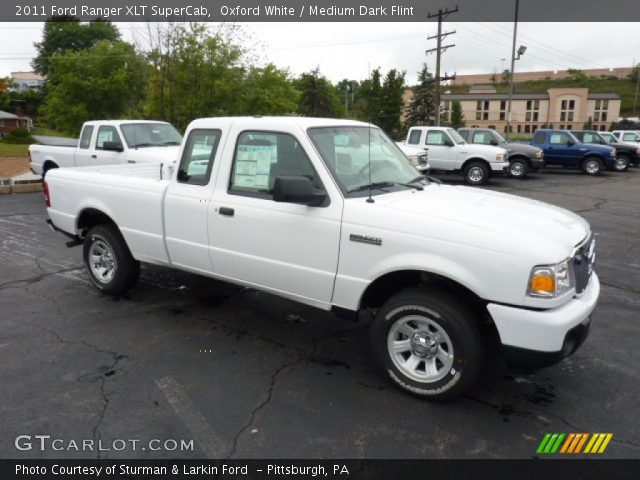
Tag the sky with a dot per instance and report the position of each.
(351, 50)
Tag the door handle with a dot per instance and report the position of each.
(226, 211)
(94, 156)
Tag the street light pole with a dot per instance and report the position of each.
(513, 64)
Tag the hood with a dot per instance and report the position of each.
(154, 154)
(486, 149)
(522, 148)
(543, 228)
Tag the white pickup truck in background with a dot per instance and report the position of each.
(110, 142)
(450, 153)
(293, 207)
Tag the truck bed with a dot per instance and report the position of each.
(131, 193)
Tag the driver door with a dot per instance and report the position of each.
(441, 155)
(286, 248)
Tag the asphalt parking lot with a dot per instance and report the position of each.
(249, 375)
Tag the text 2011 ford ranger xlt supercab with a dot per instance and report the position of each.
(282, 205)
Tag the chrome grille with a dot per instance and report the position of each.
(583, 263)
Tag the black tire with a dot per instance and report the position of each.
(444, 311)
(622, 163)
(476, 173)
(125, 269)
(518, 168)
(592, 166)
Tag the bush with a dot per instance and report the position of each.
(18, 135)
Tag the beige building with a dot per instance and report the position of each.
(563, 108)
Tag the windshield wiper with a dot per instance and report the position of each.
(171, 142)
(380, 185)
(138, 145)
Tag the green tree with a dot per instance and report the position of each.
(105, 81)
(457, 115)
(588, 125)
(267, 91)
(505, 78)
(422, 107)
(369, 97)
(318, 97)
(391, 103)
(64, 33)
(577, 75)
(195, 73)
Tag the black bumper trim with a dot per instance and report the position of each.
(75, 239)
(531, 360)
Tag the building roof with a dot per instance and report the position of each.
(26, 76)
(8, 116)
(520, 96)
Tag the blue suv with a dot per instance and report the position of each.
(561, 147)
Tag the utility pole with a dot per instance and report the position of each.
(512, 75)
(635, 100)
(441, 15)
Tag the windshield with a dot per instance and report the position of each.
(609, 137)
(150, 134)
(362, 156)
(455, 136)
(498, 137)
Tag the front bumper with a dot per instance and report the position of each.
(536, 163)
(538, 338)
(502, 167)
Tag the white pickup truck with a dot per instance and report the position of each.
(101, 143)
(450, 153)
(281, 205)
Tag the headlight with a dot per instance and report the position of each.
(638, 151)
(500, 157)
(539, 154)
(613, 154)
(413, 159)
(423, 159)
(551, 281)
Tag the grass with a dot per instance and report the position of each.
(48, 132)
(13, 150)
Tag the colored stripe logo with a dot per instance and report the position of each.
(574, 443)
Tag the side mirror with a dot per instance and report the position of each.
(570, 143)
(448, 142)
(113, 146)
(494, 142)
(297, 190)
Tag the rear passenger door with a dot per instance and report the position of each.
(285, 248)
(83, 152)
(186, 203)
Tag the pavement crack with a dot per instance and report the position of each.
(263, 404)
(618, 287)
(36, 279)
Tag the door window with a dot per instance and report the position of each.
(559, 138)
(414, 137)
(198, 156)
(435, 137)
(85, 138)
(260, 157)
(482, 137)
(107, 133)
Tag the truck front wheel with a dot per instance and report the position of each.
(622, 164)
(518, 168)
(428, 343)
(592, 166)
(476, 173)
(109, 262)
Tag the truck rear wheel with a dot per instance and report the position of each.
(428, 343)
(109, 262)
(592, 166)
(476, 173)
